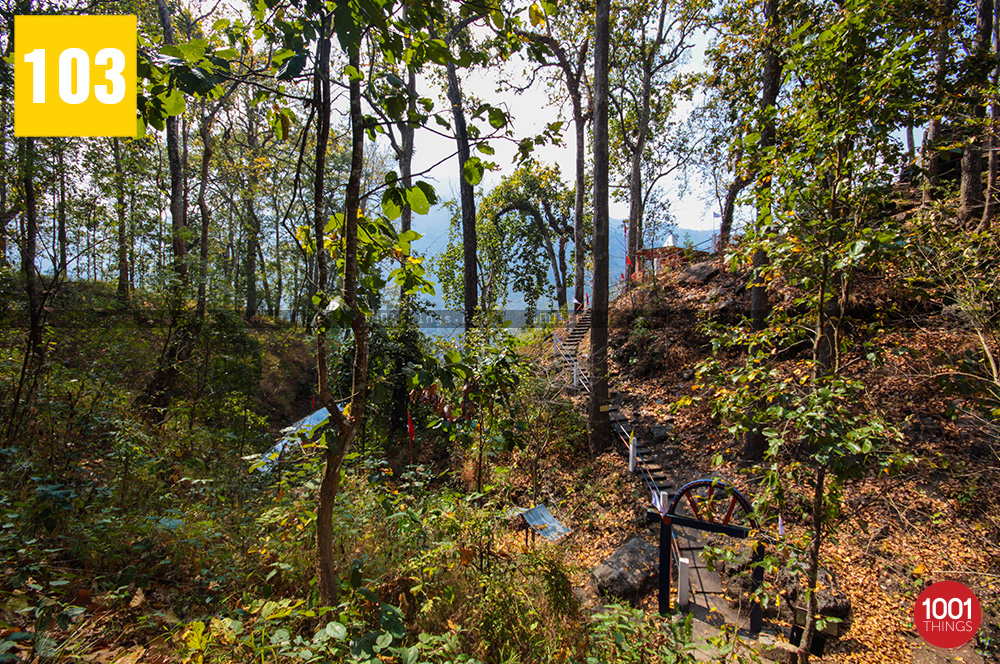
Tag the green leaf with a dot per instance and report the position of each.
(437, 52)
(352, 73)
(497, 117)
(417, 200)
(472, 170)
(391, 206)
(292, 67)
(336, 631)
(173, 103)
(429, 192)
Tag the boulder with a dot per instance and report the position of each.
(698, 273)
(628, 573)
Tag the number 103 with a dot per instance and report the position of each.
(940, 608)
(76, 89)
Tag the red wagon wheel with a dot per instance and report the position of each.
(713, 501)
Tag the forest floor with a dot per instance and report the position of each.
(933, 517)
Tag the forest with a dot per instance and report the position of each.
(175, 302)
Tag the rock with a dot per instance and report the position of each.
(628, 573)
(777, 651)
(659, 433)
(830, 601)
(698, 273)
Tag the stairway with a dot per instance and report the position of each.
(577, 334)
(654, 463)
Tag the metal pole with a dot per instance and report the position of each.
(632, 454)
(666, 533)
(756, 615)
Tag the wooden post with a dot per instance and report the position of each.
(683, 583)
(666, 534)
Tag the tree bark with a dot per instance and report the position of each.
(599, 423)
(729, 209)
(805, 645)
(347, 427)
(122, 292)
(932, 154)
(205, 131)
(157, 395)
(468, 201)
(61, 213)
(971, 198)
(754, 443)
(992, 186)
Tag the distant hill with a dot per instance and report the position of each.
(434, 227)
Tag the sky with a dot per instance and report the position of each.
(530, 111)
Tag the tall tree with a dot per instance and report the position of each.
(651, 37)
(754, 443)
(598, 419)
(935, 128)
(120, 213)
(563, 33)
(992, 193)
(467, 196)
(978, 66)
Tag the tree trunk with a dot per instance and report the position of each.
(347, 427)
(326, 571)
(176, 179)
(993, 186)
(122, 292)
(636, 198)
(468, 200)
(579, 242)
(599, 424)
(754, 444)
(251, 224)
(157, 395)
(35, 348)
(61, 213)
(5, 214)
(932, 154)
(971, 194)
(729, 209)
(35, 345)
(550, 251)
(805, 645)
(205, 131)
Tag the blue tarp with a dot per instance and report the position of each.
(307, 426)
(544, 523)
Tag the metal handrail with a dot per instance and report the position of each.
(569, 359)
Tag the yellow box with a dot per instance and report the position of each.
(79, 78)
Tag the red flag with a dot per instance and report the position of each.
(628, 261)
(409, 426)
